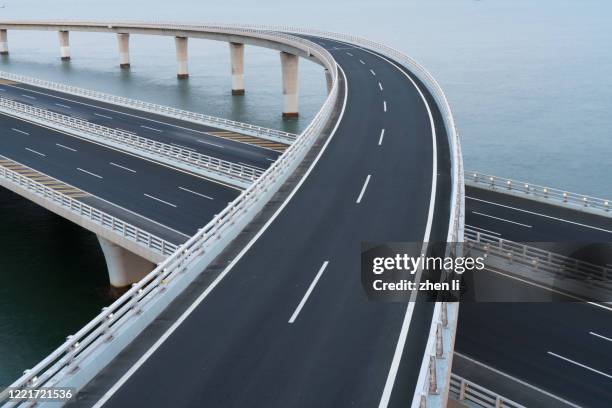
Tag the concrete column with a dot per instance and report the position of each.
(64, 37)
(237, 58)
(3, 42)
(328, 80)
(124, 267)
(124, 49)
(181, 57)
(289, 63)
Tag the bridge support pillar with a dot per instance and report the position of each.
(3, 42)
(64, 37)
(181, 57)
(289, 63)
(328, 80)
(124, 267)
(237, 59)
(124, 49)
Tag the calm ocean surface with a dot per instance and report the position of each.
(529, 83)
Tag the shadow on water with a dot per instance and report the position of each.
(53, 281)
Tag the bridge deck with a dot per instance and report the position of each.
(237, 347)
(204, 139)
(180, 204)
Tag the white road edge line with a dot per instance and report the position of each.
(363, 189)
(102, 116)
(66, 147)
(380, 86)
(308, 292)
(122, 167)
(501, 219)
(20, 131)
(600, 336)
(229, 267)
(90, 173)
(526, 384)
(35, 152)
(160, 200)
(579, 364)
(539, 214)
(151, 128)
(482, 229)
(385, 106)
(212, 144)
(382, 134)
(193, 192)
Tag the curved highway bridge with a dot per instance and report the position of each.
(278, 317)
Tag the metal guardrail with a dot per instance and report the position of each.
(465, 390)
(116, 225)
(505, 185)
(152, 287)
(225, 124)
(124, 138)
(539, 259)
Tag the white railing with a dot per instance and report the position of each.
(225, 124)
(534, 191)
(124, 138)
(464, 390)
(107, 221)
(65, 360)
(539, 259)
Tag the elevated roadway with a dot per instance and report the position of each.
(287, 323)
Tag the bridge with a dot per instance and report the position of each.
(268, 272)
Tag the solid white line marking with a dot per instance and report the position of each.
(61, 105)
(363, 189)
(193, 192)
(483, 230)
(102, 116)
(380, 86)
(66, 147)
(34, 151)
(600, 336)
(349, 54)
(2, 90)
(89, 172)
(183, 147)
(541, 215)
(229, 267)
(373, 73)
(382, 134)
(385, 106)
(151, 128)
(502, 219)
(122, 167)
(212, 144)
(308, 292)
(20, 131)
(580, 364)
(161, 201)
(457, 354)
(362, 62)
(28, 96)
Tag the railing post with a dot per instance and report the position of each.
(462, 389)
(433, 380)
(439, 342)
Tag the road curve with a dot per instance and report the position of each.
(288, 323)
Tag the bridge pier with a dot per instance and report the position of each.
(181, 57)
(289, 63)
(3, 42)
(237, 59)
(124, 49)
(124, 267)
(64, 37)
